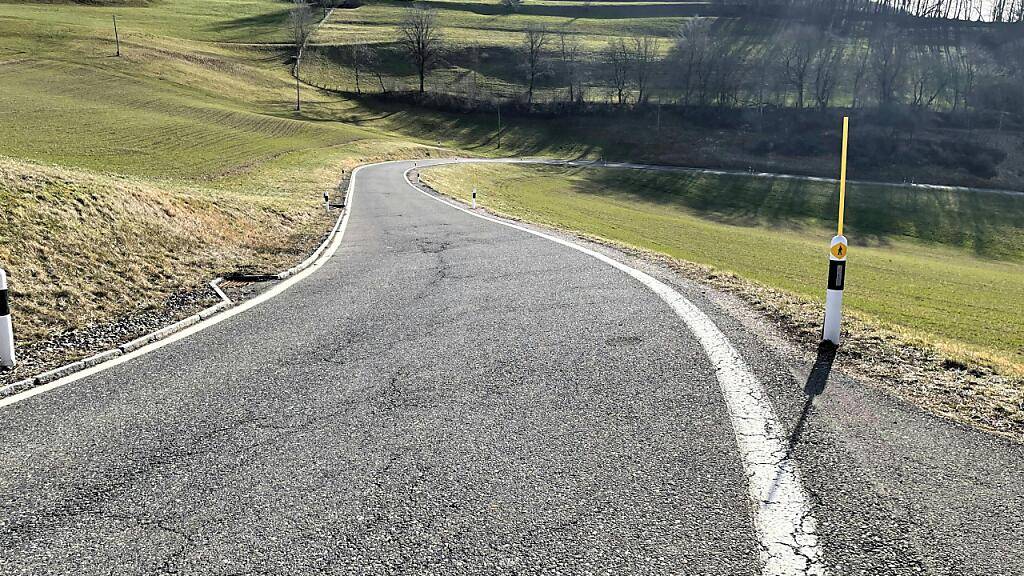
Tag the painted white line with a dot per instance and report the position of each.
(781, 508)
(229, 313)
(215, 284)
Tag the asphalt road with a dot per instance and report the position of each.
(447, 395)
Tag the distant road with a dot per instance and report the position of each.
(451, 395)
(781, 176)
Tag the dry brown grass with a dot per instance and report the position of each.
(83, 247)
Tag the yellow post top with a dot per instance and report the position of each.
(842, 174)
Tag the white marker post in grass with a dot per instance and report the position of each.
(837, 257)
(474, 198)
(327, 202)
(6, 330)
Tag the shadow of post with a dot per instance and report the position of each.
(815, 385)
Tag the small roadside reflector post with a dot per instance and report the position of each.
(838, 249)
(6, 330)
(474, 198)
(327, 202)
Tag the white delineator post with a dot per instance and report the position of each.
(327, 202)
(837, 251)
(6, 330)
(474, 198)
(834, 293)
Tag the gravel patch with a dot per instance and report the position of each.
(73, 345)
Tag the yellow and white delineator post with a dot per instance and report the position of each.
(834, 293)
(837, 251)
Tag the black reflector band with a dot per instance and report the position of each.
(836, 274)
(4, 306)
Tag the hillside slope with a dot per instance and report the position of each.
(126, 179)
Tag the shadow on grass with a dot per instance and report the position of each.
(247, 26)
(989, 225)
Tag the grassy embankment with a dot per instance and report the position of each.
(940, 267)
(123, 180)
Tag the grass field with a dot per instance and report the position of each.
(945, 267)
(480, 47)
(123, 180)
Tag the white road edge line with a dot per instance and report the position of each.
(230, 312)
(782, 511)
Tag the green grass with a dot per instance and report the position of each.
(958, 286)
(168, 108)
(461, 25)
(214, 21)
(123, 180)
(493, 37)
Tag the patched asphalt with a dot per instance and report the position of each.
(451, 396)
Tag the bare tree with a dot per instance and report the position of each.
(300, 18)
(616, 61)
(859, 74)
(358, 59)
(644, 56)
(929, 76)
(420, 36)
(711, 66)
(797, 47)
(471, 79)
(535, 41)
(569, 57)
(373, 64)
(966, 67)
(825, 68)
(888, 61)
(692, 53)
(724, 73)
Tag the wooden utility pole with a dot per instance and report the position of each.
(117, 39)
(499, 125)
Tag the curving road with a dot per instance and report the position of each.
(450, 395)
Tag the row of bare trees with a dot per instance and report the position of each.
(996, 11)
(630, 66)
(807, 66)
(964, 10)
(801, 66)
